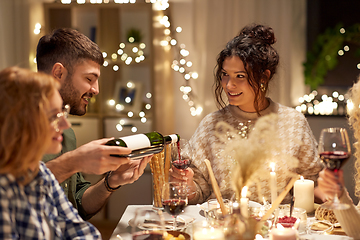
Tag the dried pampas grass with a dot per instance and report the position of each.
(253, 154)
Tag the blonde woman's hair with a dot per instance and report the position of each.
(24, 123)
(354, 120)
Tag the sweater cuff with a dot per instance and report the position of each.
(345, 197)
(196, 198)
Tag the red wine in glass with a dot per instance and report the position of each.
(174, 199)
(181, 163)
(174, 206)
(179, 160)
(146, 235)
(334, 151)
(334, 160)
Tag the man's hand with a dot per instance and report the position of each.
(129, 172)
(94, 157)
(91, 158)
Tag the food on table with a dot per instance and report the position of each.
(286, 221)
(172, 236)
(325, 214)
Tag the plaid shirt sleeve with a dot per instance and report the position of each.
(72, 225)
(7, 224)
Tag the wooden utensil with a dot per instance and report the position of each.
(215, 187)
(280, 198)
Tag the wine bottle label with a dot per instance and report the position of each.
(136, 141)
(174, 138)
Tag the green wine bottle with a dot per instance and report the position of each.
(143, 144)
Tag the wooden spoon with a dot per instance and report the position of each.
(215, 187)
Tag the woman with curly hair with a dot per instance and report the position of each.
(349, 219)
(244, 71)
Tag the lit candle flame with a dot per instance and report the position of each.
(272, 166)
(258, 237)
(302, 178)
(244, 192)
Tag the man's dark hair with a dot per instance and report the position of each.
(68, 47)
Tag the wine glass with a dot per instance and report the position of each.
(148, 223)
(334, 150)
(174, 199)
(181, 154)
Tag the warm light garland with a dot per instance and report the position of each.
(316, 104)
(132, 53)
(182, 65)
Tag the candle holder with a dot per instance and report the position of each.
(240, 226)
(203, 230)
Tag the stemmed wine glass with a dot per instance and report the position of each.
(334, 150)
(148, 223)
(181, 154)
(174, 199)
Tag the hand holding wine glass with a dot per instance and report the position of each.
(174, 199)
(181, 154)
(328, 179)
(334, 150)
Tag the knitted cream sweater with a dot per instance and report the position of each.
(349, 219)
(293, 129)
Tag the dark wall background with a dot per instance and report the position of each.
(328, 13)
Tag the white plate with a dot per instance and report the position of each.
(204, 205)
(254, 204)
(182, 222)
(324, 237)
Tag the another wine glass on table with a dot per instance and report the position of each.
(174, 199)
(148, 224)
(334, 150)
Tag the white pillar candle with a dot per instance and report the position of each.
(304, 194)
(244, 202)
(283, 234)
(273, 184)
(204, 231)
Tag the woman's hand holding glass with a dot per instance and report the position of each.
(334, 151)
(328, 179)
(181, 157)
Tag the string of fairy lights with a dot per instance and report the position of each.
(323, 104)
(132, 52)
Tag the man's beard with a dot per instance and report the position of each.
(72, 97)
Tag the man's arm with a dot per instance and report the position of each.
(91, 158)
(96, 196)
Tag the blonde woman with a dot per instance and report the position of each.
(32, 119)
(349, 218)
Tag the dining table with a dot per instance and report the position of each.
(193, 213)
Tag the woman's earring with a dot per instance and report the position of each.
(262, 87)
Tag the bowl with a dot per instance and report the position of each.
(257, 213)
(298, 214)
(176, 235)
(216, 218)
